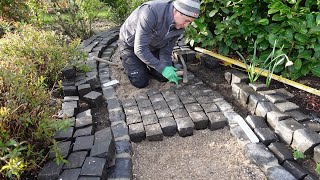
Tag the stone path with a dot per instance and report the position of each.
(106, 154)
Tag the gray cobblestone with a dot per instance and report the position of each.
(128, 102)
(259, 154)
(144, 103)
(75, 160)
(273, 118)
(175, 105)
(254, 99)
(194, 107)
(264, 107)
(275, 98)
(119, 129)
(137, 132)
(63, 147)
(266, 135)
(258, 86)
(199, 119)
(108, 92)
(84, 89)
(299, 116)
(83, 121)
(141, 96)
(156, 97)
(134, 118)
(217, 120)
(305, 140)
(146, 111)
(149, 119)
(188, 99)
(238, 77)
(281, 151)
(286, 128)
(168, 125)
(116, 116)
(64, 134)
(131, 110)
(122, 170)
(223, 105)
(159, 105)
(95, 99)
(154, 132)
(93, 166)
(83, 131)
(240, 135)
(179, 113)
(83, 143)
(211, 107)
(171, 97)
(279, 173)
(70, 98)
(50, 171)
(70, 91)
(185, 126)
(295, 169)
(256, 122)
(70, 174)
(162, 113)
(286, 106)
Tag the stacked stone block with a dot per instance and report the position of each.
(278, 124)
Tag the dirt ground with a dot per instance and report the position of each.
(205, 155)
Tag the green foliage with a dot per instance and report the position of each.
(318, 167)
(14, 10)
(122, 8)
(31, 62)
(228, 26)
(76, 16)
(274, 60)
(298, 155)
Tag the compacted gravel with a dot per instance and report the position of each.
(205, 155)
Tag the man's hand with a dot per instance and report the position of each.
(169, 72)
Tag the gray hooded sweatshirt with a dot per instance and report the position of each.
(151, 27)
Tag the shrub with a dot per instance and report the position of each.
(31, 60)
(228, 26)
(16, 10)
(122, 8)
(76, 16)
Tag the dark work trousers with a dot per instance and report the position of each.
(138, 72)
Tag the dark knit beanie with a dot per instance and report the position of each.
(188, 7)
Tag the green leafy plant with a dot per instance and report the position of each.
(318, 167)
(274, 60)
(298, 154)
(251, 65)
(30, 64)
(229, 26)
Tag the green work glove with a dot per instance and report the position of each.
(169, 72)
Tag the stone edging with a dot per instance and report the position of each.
(114, 159)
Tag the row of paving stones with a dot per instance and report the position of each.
(278, 123)
(90, 154)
